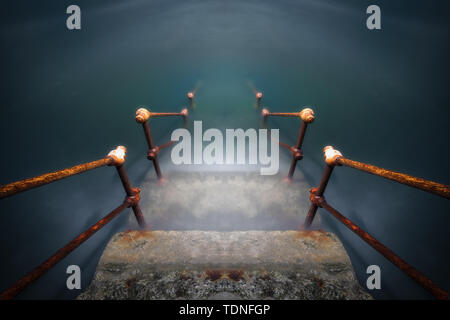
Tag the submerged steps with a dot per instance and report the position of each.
(227, 265)
(224, 201)
(238, 257)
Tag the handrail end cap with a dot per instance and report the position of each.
(331, 155)
(142, 115)
(118, 155)
(307, 115)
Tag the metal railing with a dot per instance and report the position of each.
(143, 116)
(334, 158)
(307, 116)
(258, 96)
(115, 158)
(190, 95)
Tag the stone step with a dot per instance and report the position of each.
(224, 201)
(213, 265)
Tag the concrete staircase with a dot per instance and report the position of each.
(225, 247)
(226, 265)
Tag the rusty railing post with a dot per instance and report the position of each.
(119, 155)
(307, 116)
(190, 96)
(142, 116)
(316, 194)
(259, 96)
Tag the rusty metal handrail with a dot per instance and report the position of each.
(142, 117)
(27, 184)
(307, 116)
(419, 183)
(334, 158)
(115, 158)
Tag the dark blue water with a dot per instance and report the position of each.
(69, 96)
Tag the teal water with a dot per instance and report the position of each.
(69, 97)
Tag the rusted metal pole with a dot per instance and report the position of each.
(166, 114)
(131, 192)
(118, 155)
(27, 184)
(190, 96)
(422, 184)
(284, 145)
(301, 135)
(152, 155)
(167, 144)
(297, 155)
(151, 146)
(142, 116)
(317, 192)
(148, 135)
(307, 116)
(297, 151)
(259, 96)
(416, 275)
(36, 273)
(267, 113)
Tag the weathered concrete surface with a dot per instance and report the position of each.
(225, 201)
(227, 265)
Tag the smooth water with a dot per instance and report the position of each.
(69, 97)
